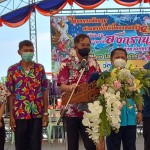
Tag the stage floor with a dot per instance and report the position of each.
(61, 146)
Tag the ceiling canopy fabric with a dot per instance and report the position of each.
(50, 7)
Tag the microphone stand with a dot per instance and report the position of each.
(65, 109)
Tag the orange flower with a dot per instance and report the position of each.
(17, 74)
(38, 69)
(36, 83)
(28, 117)
(26, 91)
(20, 110)
(26, 80)
(40, 105)
(32, 97)
(31, 86)
(9, 79)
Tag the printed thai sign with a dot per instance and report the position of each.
(106, 32)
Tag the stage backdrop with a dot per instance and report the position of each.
(107, 32)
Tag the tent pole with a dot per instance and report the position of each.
(33, 30)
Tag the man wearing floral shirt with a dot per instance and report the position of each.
(27, 83)
(67, 79)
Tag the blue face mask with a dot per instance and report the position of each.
(27, 56)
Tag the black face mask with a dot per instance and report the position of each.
(84, 52)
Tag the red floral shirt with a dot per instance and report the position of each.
(69, 74)
(27, 89)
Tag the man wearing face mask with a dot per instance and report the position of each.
(67, 78)
(27, 83)
(127, 131)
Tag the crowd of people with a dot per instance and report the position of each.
(26, 92)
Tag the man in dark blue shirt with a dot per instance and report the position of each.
(146, 116)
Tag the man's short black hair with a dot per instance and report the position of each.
(118, 49)
(25, 43)
(80, 36)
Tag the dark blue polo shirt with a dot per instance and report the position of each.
(146, 97)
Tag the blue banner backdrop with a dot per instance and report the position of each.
(107, 32)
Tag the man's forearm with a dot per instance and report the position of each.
(2, 109)
(139, 105)
(65, 88)
(10, 102)
(45, 101)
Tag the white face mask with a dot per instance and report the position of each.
(120, 63)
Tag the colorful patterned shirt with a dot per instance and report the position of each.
(27, 89)
(69, 74)
(3, 93)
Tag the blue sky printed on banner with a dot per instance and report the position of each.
(133, 40)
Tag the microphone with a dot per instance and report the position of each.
(83, 65)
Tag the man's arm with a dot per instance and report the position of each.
(139, 106)
(67, 88)
(10, 102)
(45, 105)
(2, 108)
(45, 100)
(12, 120)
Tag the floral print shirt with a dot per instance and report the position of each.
(3, 93)
(69, 74)
(27, 88)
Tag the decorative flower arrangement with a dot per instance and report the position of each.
(4, 93)
(115, 89)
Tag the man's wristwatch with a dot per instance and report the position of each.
(45, 114)
(140, 111)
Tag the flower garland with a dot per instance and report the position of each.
(116, 87)
(4, 93)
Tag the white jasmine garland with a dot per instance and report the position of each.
(86, 122)
(113, 109)
(92, 120)
(125, 73)
(116, 87)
